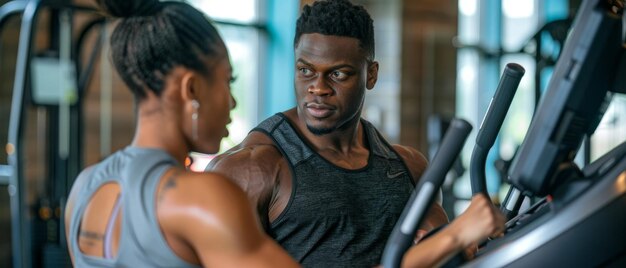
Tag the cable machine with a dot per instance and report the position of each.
(52, 81)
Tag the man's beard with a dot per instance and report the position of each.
(319, 131)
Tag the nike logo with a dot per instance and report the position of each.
(395, 174)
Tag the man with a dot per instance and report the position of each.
(326, 184)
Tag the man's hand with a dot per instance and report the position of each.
(480, 221)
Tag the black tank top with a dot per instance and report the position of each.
(337, 217)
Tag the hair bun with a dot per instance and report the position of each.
(130, 8)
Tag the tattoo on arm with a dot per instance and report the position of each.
(169, 184)
(89, 238)
(91, 235)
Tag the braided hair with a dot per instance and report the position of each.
(153, 37)
(338, 18)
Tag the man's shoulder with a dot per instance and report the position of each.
(256, 139)
(407, 151)
(255, 147)
(414, 159)
(256, 157)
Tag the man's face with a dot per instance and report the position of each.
(332, 73)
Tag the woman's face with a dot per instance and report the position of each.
(215, 102)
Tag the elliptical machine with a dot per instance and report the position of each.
(580, 220)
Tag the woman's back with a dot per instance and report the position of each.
(168, 217)
(124, 185)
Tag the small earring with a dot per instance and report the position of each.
(194, 119)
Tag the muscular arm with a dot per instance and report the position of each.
(478, 222)
(212, 215)
(416, 162)
(256, 166)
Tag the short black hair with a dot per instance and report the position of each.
(339, 18)
(153, 37)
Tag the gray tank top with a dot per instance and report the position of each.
(337, 217)
(138, 172)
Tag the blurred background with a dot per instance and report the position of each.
(439, 59)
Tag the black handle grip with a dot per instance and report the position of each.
(491, 124)
(424, 194)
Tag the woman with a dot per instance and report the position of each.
(140, 207)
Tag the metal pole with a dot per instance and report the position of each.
(20, 225)
(106, 95)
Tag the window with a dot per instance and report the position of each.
(242, 11)
(242, 27)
